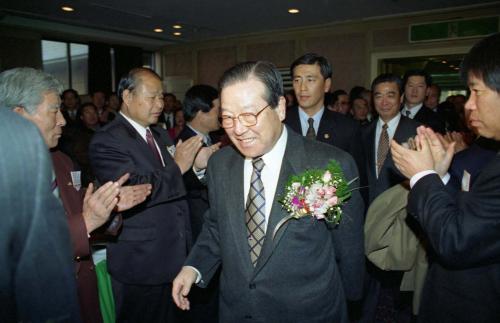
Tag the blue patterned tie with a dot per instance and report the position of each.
(255, 211)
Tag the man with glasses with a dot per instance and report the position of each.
(299, 273)
(155, 237)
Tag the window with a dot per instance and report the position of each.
(68, 62)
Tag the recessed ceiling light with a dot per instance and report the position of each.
(177, 33)
(444, 62)
(177, 26)
(67, 8)
(293, 11)
(158, 30)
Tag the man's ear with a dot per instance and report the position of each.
(127, 96)
(20, 110)
(281, 108)
(328, 84)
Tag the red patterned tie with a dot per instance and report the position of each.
(152, 145)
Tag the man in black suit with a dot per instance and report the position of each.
(463, 283)
(416, 85)
(155, 236)
(382, 175)
(312, 78)
(379, 167)
(37, 281)
(303, 273)
(201, 108)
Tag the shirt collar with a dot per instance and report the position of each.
(392, 124)
(139, 128)
(275, 155)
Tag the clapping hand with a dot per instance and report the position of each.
(185, 152)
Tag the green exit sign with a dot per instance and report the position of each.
(454, 29)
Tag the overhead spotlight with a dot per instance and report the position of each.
(67, 8)
(293, 11)
(177, 26)
(177, 33)
(452, 66)
(158, 30)
(444, 62)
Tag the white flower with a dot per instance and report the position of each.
(327, 176)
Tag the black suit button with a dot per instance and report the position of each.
(251, 286)
(249, 317)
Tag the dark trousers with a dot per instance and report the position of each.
(144, 303)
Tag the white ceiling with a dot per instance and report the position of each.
(206, 19)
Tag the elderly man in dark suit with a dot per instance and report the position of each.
(34, 95)
(463, 282)
(155, 237)
(36, 274)
(305, 272)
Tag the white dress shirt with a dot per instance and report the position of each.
(270, 173)
(392, 125)
(413, 111)
(304, 125)
(142, 132)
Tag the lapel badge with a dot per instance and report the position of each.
(326, 135)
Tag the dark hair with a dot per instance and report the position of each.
(417, 72)
(263, 71)
(72, 91)
(483, 61)
(169, 94)
(131, 80)
(313, 59)
(335, 96)
(387, 78)
(355, 93)
(82, 107)
(198, 98)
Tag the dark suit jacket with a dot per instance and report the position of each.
(72, 201)
(296, 278)
(156, 234)
(389, 174)
(197, 195)
(37, 280)
(431, 119)
(463, 284)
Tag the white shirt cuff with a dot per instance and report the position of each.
(198, 274)
(199, 173)
(415, 178)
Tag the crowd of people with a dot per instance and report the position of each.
(186, 198)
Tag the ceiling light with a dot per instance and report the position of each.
(158, 30)
(444, 62)
(67, 8)
(451, 65)
(177, 26)
(293, 11)
(177, 33)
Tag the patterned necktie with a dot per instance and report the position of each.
(408, 114)
(254, 215)
(383, 147)
(152, 145)
(311, 134)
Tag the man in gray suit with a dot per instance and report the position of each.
(37, 281)
(303, 273)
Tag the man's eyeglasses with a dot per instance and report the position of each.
(246, 119)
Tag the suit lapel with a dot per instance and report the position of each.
(163, 144)
(370, 150)
(236, 210)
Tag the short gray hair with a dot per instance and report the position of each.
(25, 87)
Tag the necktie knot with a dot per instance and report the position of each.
(385, 126)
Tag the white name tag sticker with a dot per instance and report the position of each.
(76, 180)
(466, 181)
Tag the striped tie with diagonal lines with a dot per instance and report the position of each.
(255, 211)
